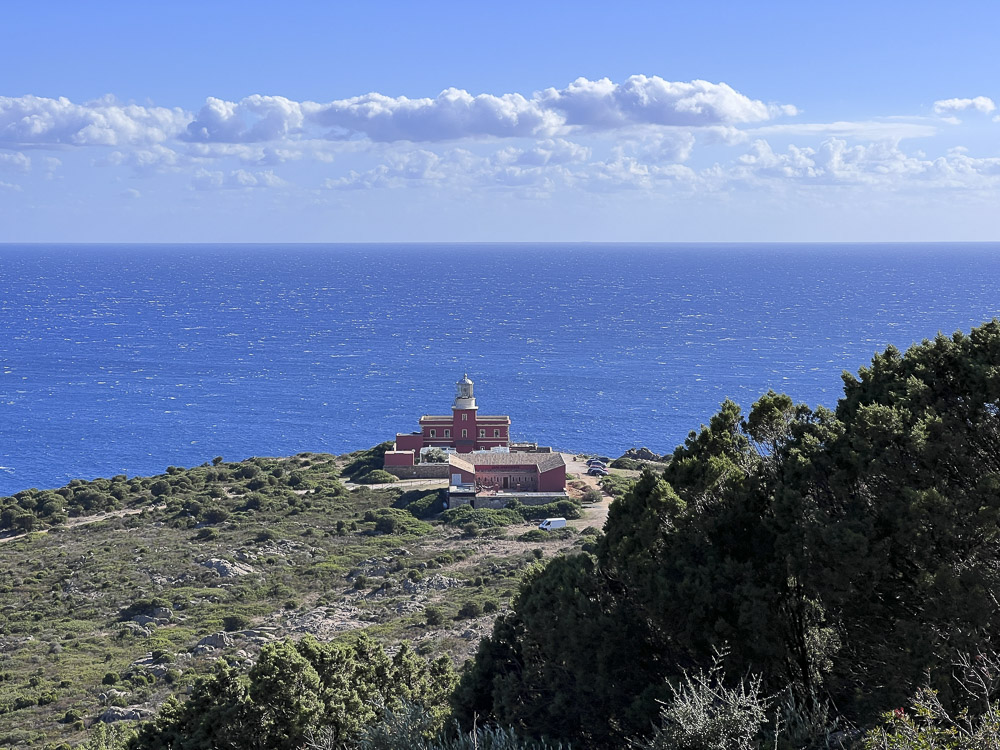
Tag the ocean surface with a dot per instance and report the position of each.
(122, 359)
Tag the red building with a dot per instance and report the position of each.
(508, 473)
(464, 430)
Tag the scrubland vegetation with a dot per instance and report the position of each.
(793, 578)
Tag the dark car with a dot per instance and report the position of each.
(596, 462)
(597, 471)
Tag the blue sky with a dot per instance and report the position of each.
(322, 122)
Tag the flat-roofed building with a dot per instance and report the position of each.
(494, 479)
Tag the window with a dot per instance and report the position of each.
(482, 433)
(496, 433)
(465, 417)
(433, 433)
(447, 433)
(465, 433)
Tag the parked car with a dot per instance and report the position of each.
(596, 462)
(597, 471)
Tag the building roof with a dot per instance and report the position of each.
(469, 461)
(451, 418)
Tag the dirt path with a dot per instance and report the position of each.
(72, 523)
(594, 514)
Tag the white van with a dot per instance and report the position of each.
(552, 523)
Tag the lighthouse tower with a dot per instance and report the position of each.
(463, 395)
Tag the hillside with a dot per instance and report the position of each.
(127, 589)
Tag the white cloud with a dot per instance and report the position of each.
(883, 164)
(251, 120)
(584, 104)
(264, 155)
(10, 186)
(652, 100)
(131, 194)
(660, 145)
(544, 153)
(453, 114)
(144, 161)
(982, 104)
(283, 125)
(16, 162)
(238, 179)
(403, 169)
(38, 121)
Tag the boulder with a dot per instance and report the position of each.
(643, 454)
(115, 713)
(216, 640)
(227, 569)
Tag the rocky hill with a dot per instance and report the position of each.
(117, 593)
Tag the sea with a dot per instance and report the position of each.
(126, 359)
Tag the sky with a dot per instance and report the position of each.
(499, 122)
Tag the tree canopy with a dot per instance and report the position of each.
(845, 555)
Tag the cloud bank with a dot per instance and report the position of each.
(454, 114)
(643, 133)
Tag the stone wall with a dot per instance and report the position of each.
(420, 471)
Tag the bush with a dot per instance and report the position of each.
(232, 623)
(484, 518)
(396, 521)
(629, 464)
(537, 535)
(705, 714)
(568, 509)
(422, 503)
(469, 610)
(215, 515)
(160, 487)
(364, 462)
(376, 476)
(592, 495)
(433, 615)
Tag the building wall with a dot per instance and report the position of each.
(553, 480)
(398, 458)
(409, 442)
(523, 478)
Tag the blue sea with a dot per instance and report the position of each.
(119, 359)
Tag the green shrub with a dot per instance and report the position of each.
(376, 476)
(484, 518)
(469, 610)
(616, 485)
(560, 509)
(422, 503)
(396, 521)
(630, 464)
(366, 461)
(434, 616)
(232, 623)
